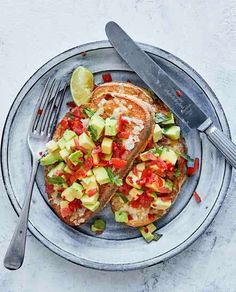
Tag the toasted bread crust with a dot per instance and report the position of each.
(139, 110)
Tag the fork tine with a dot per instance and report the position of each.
(44, 107)
(47, 119)
(58, 107)
(36, 115)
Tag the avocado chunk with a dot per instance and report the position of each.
(51, 158)
(169, 185)
(140, 166)
(134, 193)
(64, 204)
(98, 226)
(75, 191)
(61, 143)
(74, 157)
(90, 207)
(86, 142)
(121, 216)
(111, 126)
(145, 156)
(172, 132)
(108, 157)
(107, 145)
(59, 167)
(170, 120)
(98, 124)
(70, 145)
(131, 179)
(159, 204)
(95, 158)
(157, 133)
(64, 154)
(147, 232)
(68, 135)
(169, 155)
(89, 200)
(101, 175)
(51, 146)
(89, 183)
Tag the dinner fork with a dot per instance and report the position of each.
(41, 128)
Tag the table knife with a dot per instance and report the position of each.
(168, 91)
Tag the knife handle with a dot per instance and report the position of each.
(222, 143)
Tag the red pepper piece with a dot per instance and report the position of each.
(88, 164)
(108, 96)
(123, 135)
(106, 77)
(66, 211)
(125, 188)
(197, 197)
(71, 104)
(122, 123)
(178, 92)
(49, 189)
(118, 163)
(130, 217)
(91, 192)
(76, 126)
(151, 216)
(74, 205)
(192, 170)
(64, 124)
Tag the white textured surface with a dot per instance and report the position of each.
(203, 33)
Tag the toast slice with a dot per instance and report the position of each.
(143, 204)
(88, 171)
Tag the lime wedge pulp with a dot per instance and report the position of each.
(81, 85)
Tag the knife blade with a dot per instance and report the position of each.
(155, 77)
(167, 90)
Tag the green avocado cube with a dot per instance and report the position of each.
(169, 155)
(90, 207)
(159, 204)
(157, 133)
(98, 124)
(75, 191)
(67, 169)
(89, 183)
(169, 121)
(134, 193)
(172, 132)
(101, 175)
(148, 236)
(52, 146)
(61, 143)
(74, 157)
(70, 145)
(121, 216)
(64, 153)
(86, 142)
(90, 200)
(131, 179)
(59, 167)
(111, 127)
(107, 145)
(68, 135)
(140, 166)
(51, 158)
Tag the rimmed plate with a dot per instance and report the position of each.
(119, 247)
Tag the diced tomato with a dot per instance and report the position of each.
(166, 198)
(66, 212)
(150, 156)
(125, 188)
(147, 172)
(151, 216)
(91, 192)
(78, 174)
(170, 166)
(71, 104)
(163, 190)
(130, 217)
(106, 77)
(143, 201)
(103, 163)
(123, 135)
(88, 164)
(74, 205)
(150, 145)
(135, 204)
(49, 189)
(135, 171)
(178, 92)
(76, 126)
(64, 124)
(97, 150)
(122, 123)
(197, 197)
(108, 96)
(118, 163)
(40, 111)
(192, 170)
(71, 165)
(130, 179)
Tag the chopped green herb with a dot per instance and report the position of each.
(98, 226)
(56, 180)
(157, 150)
(88, 112)
(177, 171)
(115, 179)
(93, 133)
(160, 118)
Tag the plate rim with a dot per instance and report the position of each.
(197, 232)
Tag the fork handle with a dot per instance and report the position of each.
(15, 253)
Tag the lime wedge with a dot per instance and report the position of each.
(81, 85)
